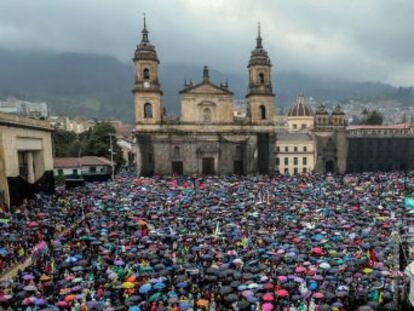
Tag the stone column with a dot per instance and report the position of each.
(30, 168)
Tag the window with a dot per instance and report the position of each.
(75, 172)
(60, 172)
(295, 161)
(146, 74)
(277, 149)
(260, 78)
(147, 111)
(304, 170)
(286, 161)
(305, 149)
(277, 161)
(176, 151)
(207, 115)
(303, 126)
(262, 110)
(295, 148)
(295, 126)
(286, 171)
(286, 149)
(295, 170)
(92, 169)
(305, 161)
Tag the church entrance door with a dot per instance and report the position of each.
(208, 166)
(329, 166)
(238, 167)
(177, 168)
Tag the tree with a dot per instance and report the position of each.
(63, 142)
(98, 142)
(372, 118)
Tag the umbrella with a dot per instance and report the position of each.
(268, 297)
(282, 293)
(145, 288)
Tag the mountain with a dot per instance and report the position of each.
(99, 86)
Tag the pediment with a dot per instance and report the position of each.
(205, 88)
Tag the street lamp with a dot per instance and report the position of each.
(112, 156)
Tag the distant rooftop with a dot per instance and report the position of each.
(71, 162)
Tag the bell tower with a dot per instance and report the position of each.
(147, 90)
(260, 97)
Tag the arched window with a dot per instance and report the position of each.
(262, 110)
(261, 78)
(207, 115)
(146, 74)
(176, 151)
(147, 111)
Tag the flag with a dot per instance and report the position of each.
(409, 202)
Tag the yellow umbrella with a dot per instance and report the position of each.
(128, 285)
(367, 270)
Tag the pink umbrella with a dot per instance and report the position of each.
(33, 224)
(267, 307)
(318, 295)
(300, 269)
(282, 278)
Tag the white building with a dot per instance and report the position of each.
(24, 108)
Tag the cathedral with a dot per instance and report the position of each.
(209, 137)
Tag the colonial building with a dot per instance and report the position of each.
(207, 138)
(213, 136)
(295, 143)
(26, 162)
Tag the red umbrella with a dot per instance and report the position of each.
(282, 293)
(268, 286)
(33, 224)
(41, 215)
(268, 297)
(317, 250)
(318, 295)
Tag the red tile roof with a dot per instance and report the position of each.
(70, 162)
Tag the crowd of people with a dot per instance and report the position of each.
(306, 242)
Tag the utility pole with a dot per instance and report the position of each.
(112, 156)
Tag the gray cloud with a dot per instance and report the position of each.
(358, 40)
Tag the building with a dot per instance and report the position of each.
(215, 136)
(26, 162)
(300, 115)
(207, 138)
(295, 143)
(331, 144)
(380, 147)
(295, 152)
(89, 168)
(24, 108)
(78, 125)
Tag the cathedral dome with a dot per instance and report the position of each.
(300, 108)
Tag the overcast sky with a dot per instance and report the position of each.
(354, 39)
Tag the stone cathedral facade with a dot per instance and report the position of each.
(207, 138)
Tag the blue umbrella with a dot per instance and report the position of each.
(185, 305)
(182, 285)
(134, 308)
(159, 285)
(145, 288)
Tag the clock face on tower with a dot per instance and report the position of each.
(147, 84)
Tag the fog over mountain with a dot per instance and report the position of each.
(100, 86)
(368, 40)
